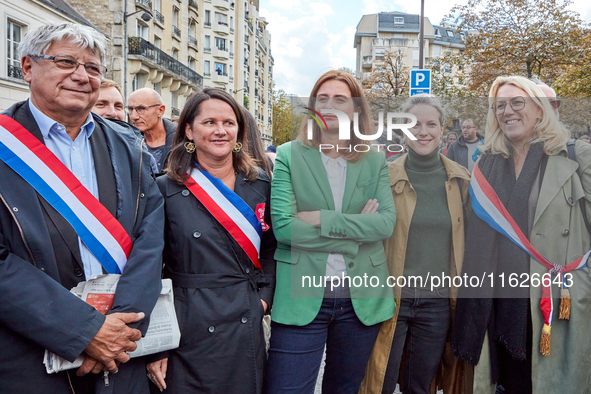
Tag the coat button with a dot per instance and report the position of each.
(345, 235)
(186, 193)
(142, 195)
(15, 209)
(196, 234)
(211, 329)
(565, 233)
(330, 233)
(42, 269)
(570, 200)
(78, 272)
(247, 270)
(351, 265)
(244, 319)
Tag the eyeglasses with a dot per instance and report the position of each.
(467, 127)
(555, 103)
(516, 103)
(139, 109)
(69, 63)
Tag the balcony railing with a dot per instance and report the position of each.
(232, 30)
(193, 3)
(207, 49)
(249, 25)
(176, 31)
(140, 47)
(262, 45)
(15, 72)
(207, 74)
(231, 54)
(158, 17)
(192, 41)
(144, 3)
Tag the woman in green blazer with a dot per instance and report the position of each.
(331, 208)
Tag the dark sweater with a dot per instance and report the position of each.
(428, 249)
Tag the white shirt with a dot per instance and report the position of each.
(336, 171)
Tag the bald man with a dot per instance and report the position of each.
(145, 109)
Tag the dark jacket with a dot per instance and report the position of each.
(218, 293)
(170, 132)
(458, 151)
(40, 262)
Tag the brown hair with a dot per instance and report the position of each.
(180, 161)
(108, 83)
(365, 123)
(255, 145)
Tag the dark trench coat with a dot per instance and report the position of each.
(217, 292)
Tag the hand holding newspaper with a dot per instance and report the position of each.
(163, 332)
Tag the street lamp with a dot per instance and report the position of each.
(421, 34)
(146, 17)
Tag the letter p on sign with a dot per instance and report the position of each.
(420, 81)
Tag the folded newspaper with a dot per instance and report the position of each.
(163, 332)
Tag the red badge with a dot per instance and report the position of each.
(260, 212)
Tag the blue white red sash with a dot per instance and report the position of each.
(228, 209)
(35, 163)
(488, 207)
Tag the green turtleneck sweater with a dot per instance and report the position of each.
(428, 249)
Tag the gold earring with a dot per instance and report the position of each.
(190, 146)
(237, 147)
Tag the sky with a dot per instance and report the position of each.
(310, 37)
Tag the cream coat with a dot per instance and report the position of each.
(405, 200)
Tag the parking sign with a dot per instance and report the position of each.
(420, 81)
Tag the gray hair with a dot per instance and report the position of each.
(425, 99)
(38, 41)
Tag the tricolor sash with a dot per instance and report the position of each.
(35, 163)
(230, 210)
(488, 207)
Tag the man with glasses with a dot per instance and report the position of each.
(77, 199)
(146, 111)
(462, 151)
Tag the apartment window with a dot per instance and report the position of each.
(157, 42)
(14, 35)
(436, 32)
(220, 43)
(175, 17)
(380, 52)
(192, 63)
(142, 30)
(462, 36)
(221, 19)
(158, 87)
(231, 21)
(398, 21)
(207, 43)
(157, 5)
(415, 54)
(398, 35)
(221, 69)
(175, 54)
(174, 99)
(436, 50)
(207, 18)
(206, 70)
(450, 33)
(138, 82)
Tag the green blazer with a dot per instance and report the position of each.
(300, 184)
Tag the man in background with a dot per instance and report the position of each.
(146, 110)
(462, 151)
(110, 104)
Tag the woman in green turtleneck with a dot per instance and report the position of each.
(428, 242)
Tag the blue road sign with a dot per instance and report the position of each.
(420, 81)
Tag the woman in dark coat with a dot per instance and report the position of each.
(221, 289)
